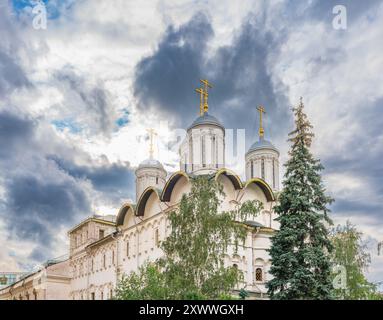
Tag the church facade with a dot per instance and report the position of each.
(139, 228)
(103, 249)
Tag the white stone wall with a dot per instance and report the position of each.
(149, 177)
(203, 149)
(270, 158)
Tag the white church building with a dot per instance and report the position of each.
(102, 249)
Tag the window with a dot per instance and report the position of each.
(101, 233)
(263, 168)
(258, 275)
(113, 257)
(156, 238)
(111, 294)
(92, 264)
(185, 163)
(102, 295)
(251, 169)
(104, 260)
(274, 173)
(127, 248)
(203, 151)
(92, 296)
(191, 152)
(235, 266)
(213, 150)
(156, 180)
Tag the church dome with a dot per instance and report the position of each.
(151, 163)
(206, 119)
(262, 144)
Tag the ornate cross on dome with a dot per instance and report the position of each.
(261, 110)
(201, 92)
(152, 133)
(207, 85)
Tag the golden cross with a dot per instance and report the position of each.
(201, 92)
(207, 85)
(261, 110)
(151, 134)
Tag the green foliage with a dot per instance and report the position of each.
(147, 284)
(200, 236)
(300, 249)
(350, 252)
(193, 263)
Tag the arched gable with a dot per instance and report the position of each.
(123, 211)
(144, 199)
(235, 180)
(169, 186)
(263, 186)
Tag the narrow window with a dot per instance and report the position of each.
(203, 152)
(113, 257)
(273, 173)
(102, 295)
(104, 261)
(92, 265)
(258, 275)
(92, 296)
(185, 163)
(191, 153)
(101, 233)
(111, 293)
(263, 168)
(156, 180)
(213, 150)
(127, 248)
(156, 238)
(252, 169)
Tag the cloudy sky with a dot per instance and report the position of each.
(77, 97)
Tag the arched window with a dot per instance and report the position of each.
(127, 248)
(259, 275)
(263, 168)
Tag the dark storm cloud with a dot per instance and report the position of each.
(11, 75)
(35, 202)
(114, 180)
(362, 159)
(14, 132)
(88, 102)
(44, 192)
(167, 79)
(239, 73)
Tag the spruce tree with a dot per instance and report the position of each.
(300, 260)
